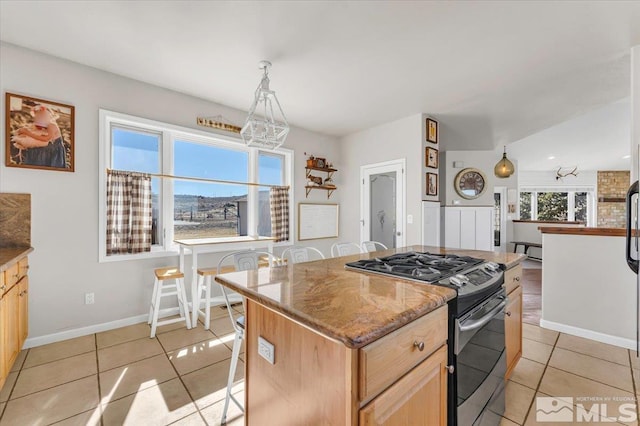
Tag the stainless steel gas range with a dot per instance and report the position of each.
(476, 346)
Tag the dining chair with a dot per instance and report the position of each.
(345, 249)
(297, 254)
(369, 246)
(244, 261)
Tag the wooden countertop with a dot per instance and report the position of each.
(351, 307)
(556, 222)
(603, 232)
(10, 255)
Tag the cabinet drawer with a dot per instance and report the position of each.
(512, 278)
(11, 276)
(384, 361)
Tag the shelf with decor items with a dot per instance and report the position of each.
(320, 183)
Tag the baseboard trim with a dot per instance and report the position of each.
(33, 342)
(589, 334)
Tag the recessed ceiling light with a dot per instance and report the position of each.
(551, 157)
(626, 156)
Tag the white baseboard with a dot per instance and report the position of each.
(32, 342)
(589, 334)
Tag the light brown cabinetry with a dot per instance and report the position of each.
(14, 314)
(420, 397)
(400, 378)
(513, 317)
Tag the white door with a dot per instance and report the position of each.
(383, 203)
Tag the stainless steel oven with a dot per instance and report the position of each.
(479, 350)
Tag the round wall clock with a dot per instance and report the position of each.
(470, 183)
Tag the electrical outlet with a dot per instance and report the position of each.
(89, 298)
(266, 350)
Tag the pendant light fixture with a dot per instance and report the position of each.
(504, 168)
(266, 126)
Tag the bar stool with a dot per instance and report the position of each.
(205, 280)
(159, 291)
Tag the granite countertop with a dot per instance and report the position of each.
(10, 255)
(348, 306)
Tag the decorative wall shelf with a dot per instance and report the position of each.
(329, 171)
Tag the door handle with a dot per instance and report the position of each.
(633, 263)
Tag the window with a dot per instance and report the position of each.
(210, 195)
(555, 204)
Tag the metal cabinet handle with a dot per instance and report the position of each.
(516, 278)
(508, 313)
(450, 368)
(3, 287)
(419, 345)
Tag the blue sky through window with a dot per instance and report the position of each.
(139, 151)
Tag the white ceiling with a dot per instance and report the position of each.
(491, 72)
(597, 140)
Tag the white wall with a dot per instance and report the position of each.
(585, 178)
(485, 161)
(635, 111)
(64, 264)
(587, 288)
(398, 139)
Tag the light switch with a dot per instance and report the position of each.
(266, 350)
(409, 219)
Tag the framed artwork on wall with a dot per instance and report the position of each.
(432, 130)
(431, 157)
(39, 134)
(432, 184)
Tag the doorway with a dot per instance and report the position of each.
(383, 203)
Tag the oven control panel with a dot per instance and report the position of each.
(475, 279)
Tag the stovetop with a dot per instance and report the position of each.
(428, 267)
(471, 277)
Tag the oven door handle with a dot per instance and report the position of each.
(472, 325)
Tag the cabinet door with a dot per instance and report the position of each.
(420, 397)
(4, 370)
(11, 344)
(23, 311)
(513, 329)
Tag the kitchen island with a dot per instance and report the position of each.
(349, 348)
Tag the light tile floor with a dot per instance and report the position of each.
(179, 377)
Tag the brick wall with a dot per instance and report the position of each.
(612, 185)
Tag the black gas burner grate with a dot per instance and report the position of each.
(428, 267)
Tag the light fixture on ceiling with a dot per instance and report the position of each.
(504, 168)
(266, 125)
(551, 157)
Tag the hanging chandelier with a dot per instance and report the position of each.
(504, 168)
(266, 126)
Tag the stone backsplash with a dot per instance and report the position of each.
(612, 188)
(15, 220)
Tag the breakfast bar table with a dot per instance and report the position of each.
(208, 245)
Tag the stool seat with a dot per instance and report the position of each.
(169, 273)
(207, 271)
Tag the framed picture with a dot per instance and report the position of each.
(431, 157)
(39, 134)
(432, 184)
(321, 163)
(432, 131)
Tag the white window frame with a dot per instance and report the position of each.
(170, 133)
(571, 199)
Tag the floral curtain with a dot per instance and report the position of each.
(129, 214)
(279, 203)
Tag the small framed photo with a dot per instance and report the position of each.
(431, 157)
(39, 134)
(432, 184)
(432, 130)
(321, 163)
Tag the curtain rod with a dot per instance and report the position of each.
(232, 182)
